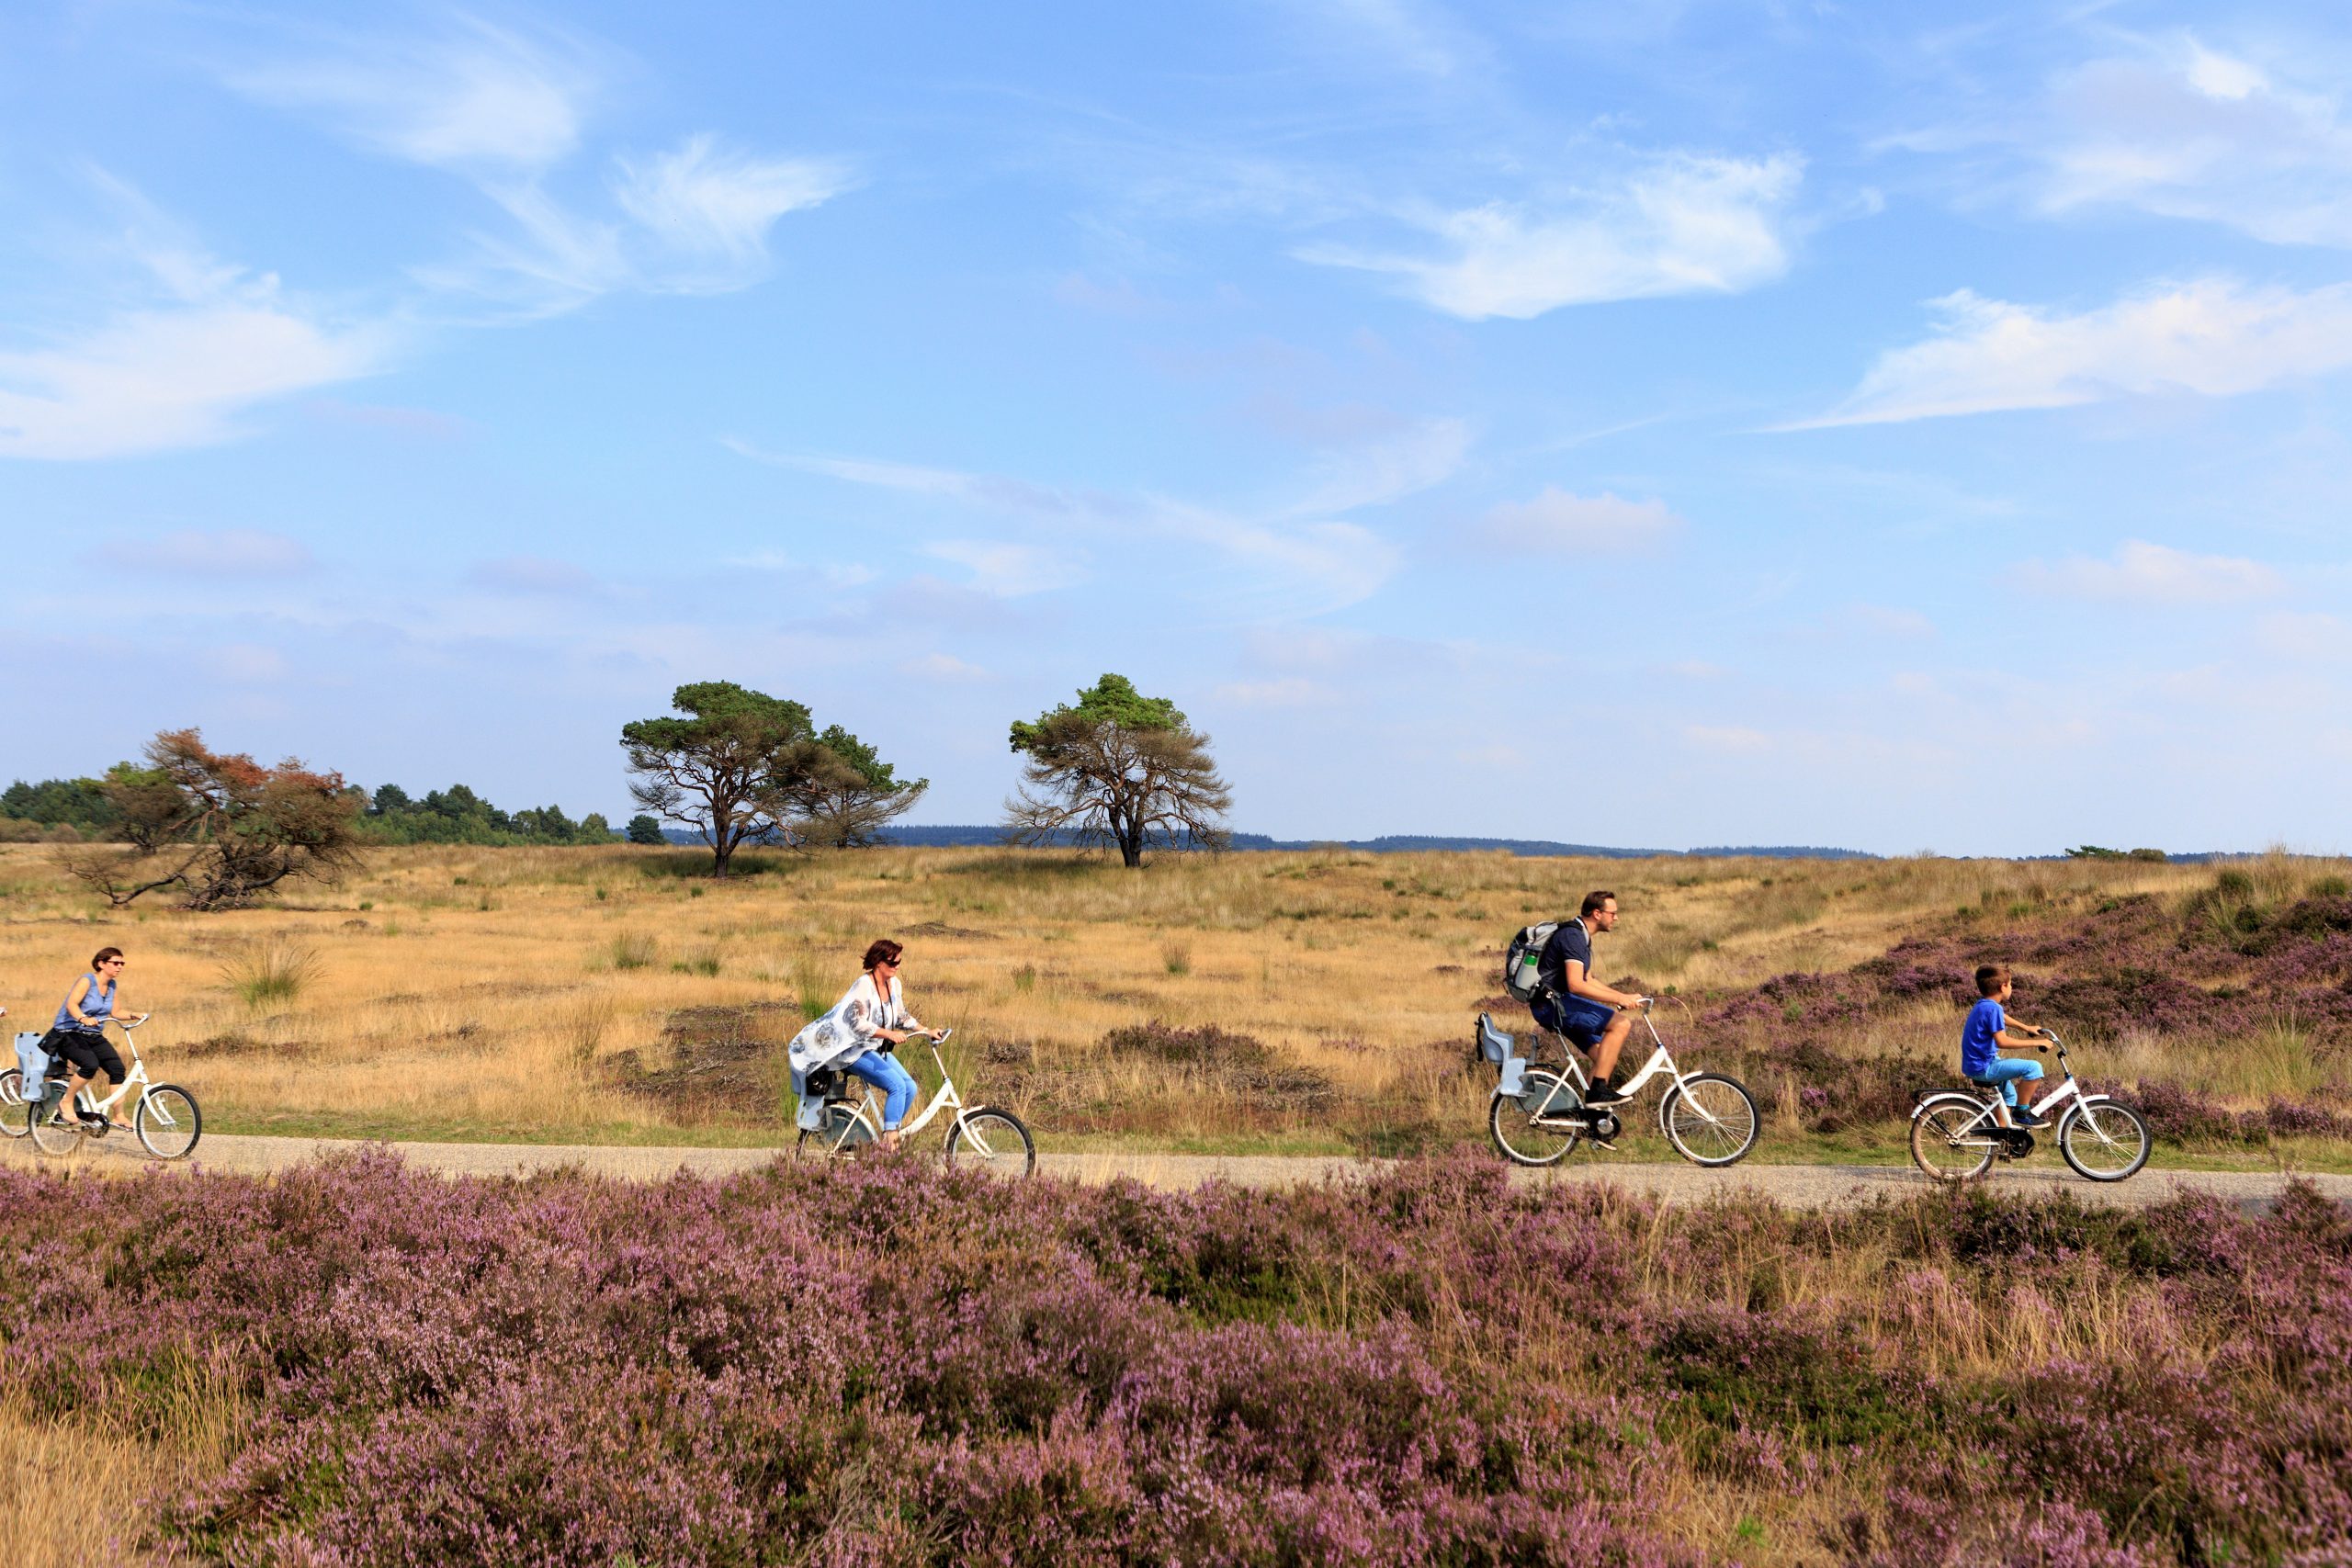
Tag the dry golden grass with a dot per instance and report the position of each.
(496, 992)
(73, 1495)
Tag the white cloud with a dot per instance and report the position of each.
(2181, 130)
(717, 205)
(1303, 566)
(1377, 471)
(176, 373)
(1009, 570)
(2143, 573)
(478, 97)
(224, 552)
(1556, 519)
(503, 111)
(2212, 337)
(1681, 224)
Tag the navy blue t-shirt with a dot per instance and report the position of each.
(1571, 940)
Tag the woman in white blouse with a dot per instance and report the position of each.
(870, 1014)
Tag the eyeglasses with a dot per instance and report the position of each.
(114, 964)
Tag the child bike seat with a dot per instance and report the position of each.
(1494, 1047)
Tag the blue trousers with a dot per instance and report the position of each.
(2006, 1071)
(896, 1084)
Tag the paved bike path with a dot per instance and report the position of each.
(1809, 1186)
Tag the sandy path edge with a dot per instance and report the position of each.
(1810, 1186)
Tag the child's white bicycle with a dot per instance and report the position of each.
(166, 1118)
(1538, 1116)
(1956, 1135)
(986, 1136)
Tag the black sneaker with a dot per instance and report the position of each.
(2020, 1116)
(1603, 1094)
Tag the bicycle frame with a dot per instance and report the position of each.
(867, 1112)
(136, 1078)
(1661, 1061)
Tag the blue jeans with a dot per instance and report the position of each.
(2007, 1072)
(896, 1084)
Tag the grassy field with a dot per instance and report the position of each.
(1307, 1002)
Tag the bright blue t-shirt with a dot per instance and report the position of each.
(1978, 1049)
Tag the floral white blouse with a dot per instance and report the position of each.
(852, 1029)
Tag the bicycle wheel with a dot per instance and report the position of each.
(168, 1121)
(2106, 1141)
(844, 1133)
(16, 1118)
(993, 1140)
(12, 1095)
(1523, 1138)
(49, 1135)
(1953, 1139)
(1710, 1119)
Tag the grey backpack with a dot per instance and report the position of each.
(1523, 959)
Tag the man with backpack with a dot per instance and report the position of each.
(1569, 1002)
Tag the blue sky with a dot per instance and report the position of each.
(1919, 427)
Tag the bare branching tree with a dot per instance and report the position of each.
(1118, 768)
(219, 825)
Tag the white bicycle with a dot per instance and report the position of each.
(1956, 1135)
(166, 1118)
(1538, 1116)
(982, 1135)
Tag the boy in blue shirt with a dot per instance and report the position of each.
(1981, 1038)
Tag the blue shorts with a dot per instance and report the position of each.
(2006, 1071)
(1581, 1021)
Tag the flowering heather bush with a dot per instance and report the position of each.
(896, 1364)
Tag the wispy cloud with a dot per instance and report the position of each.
(1386, 468)
(1677, 224)
(475, 97)
(208, 342)
(1556, 519)
(2212, 337)
(2175, 127)
(1009, 570)
(706, 202)
(504, 110)
(1302, 564)
(2143, 574)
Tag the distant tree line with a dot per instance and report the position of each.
(459, 816)
(70, 810)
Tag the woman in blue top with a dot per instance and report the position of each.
(1987, 1029)
(80, 1033)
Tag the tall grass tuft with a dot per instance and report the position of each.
(632, 949)
(810, 984)
(1177, 957)
(271, 971)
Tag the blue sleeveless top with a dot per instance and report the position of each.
(97, 1006)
